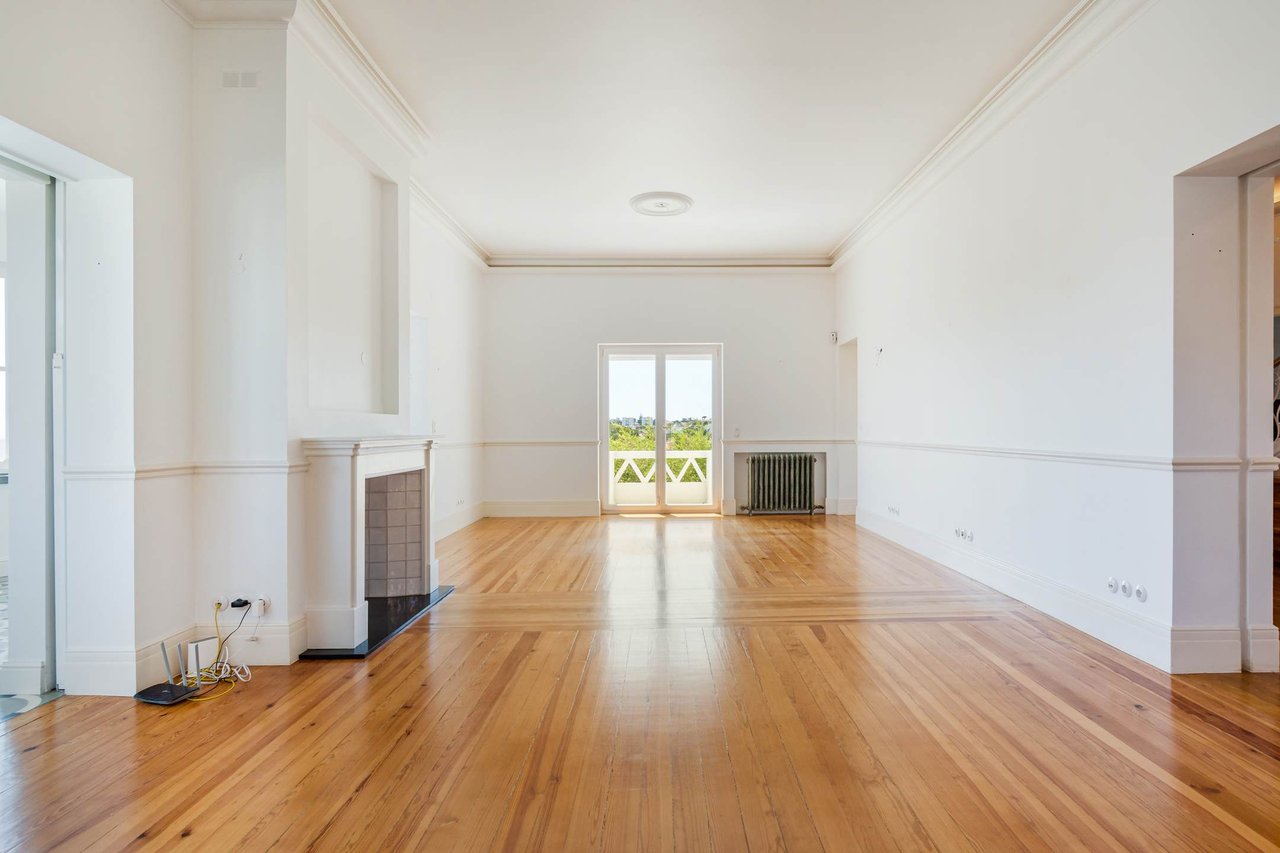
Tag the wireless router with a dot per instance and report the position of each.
(170, 692)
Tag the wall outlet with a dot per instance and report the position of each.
(220, 603)
(261, 605)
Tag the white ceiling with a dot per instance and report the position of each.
(787, 122)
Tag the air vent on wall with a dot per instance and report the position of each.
(239, 79)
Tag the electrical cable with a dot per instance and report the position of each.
(221, 671)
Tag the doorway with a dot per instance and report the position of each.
(26, 509)
(660, 427)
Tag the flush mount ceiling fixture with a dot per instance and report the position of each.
(661, 203)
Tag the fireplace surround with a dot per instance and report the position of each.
(351, 524)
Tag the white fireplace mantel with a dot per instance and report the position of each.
(337, 615)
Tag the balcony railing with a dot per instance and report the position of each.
(631, 481)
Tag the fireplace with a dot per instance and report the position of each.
(370, 568)
(393, 536)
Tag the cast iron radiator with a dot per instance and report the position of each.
(780, 483)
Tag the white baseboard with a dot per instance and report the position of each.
(148, 662)
(455, 521)
(541, 509)
(337, 627)
(1262, 651)
(278, 643)
(1194, 650)
(23, 677)
(1136, 635)
(107, 672)
(843, 506)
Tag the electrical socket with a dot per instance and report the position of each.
(220, 603)
(261, 605)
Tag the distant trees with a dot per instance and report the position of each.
(685, 434)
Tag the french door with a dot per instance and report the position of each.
(660, 430)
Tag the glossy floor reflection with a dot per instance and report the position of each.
(675, 684)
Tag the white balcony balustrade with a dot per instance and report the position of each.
(631, 481)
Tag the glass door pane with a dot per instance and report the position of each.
(687, 423)
(633, 413)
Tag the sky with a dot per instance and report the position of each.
(631, 387)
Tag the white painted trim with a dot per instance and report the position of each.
(1199, 650)
(22, 677)
(1182, 464)
(541, 509)
(186, 469)
(1137, 635)
(156, 472)
(278, 643)
(766, 262)
(236, 467)
(426, 202)
(1084, 29)
(337, 627)
(455, 521)
(98, 473)
(322, 29)
(844, 506)
(656, 266)
(234, 14)
(788, 441)
(459, 445)
(101, 672)
(571, 443)
(149, 664)
(1262, 649)
(313, 447)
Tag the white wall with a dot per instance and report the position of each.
(447, 292)
(541, 331)
(1015, 326)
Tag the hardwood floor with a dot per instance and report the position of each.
(687, 684)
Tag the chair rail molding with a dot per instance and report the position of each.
(1180, 464)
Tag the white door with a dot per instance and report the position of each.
(659, 412)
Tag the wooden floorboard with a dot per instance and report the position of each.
(674, 684)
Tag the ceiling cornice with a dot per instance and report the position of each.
(318, 24)
(695, 262)
(322, 29)
(235, 14)
(419, 196)
(1089, 25)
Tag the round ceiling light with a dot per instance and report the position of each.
(661, 204)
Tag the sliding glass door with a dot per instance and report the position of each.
(659, 408)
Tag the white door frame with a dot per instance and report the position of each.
(660, 353)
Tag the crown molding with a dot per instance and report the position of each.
(418, 195)
(336, 46)
(604, 262)
(1089, 25)
(234, 14)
